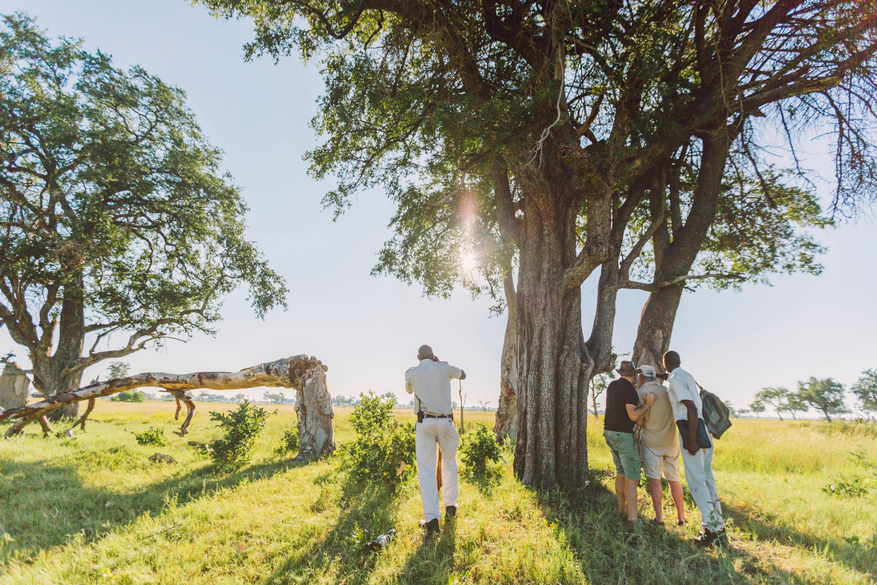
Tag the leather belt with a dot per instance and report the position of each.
(450, 416)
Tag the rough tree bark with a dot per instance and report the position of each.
(52, 374)
(506, 424)
(13, 387)
(305, 374)
(313, 405)
(554, 364)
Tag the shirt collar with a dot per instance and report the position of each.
(428, 360)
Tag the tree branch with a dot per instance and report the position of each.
(283, 373)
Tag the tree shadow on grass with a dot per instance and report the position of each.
(367, 510)
(432, 562)
(45, 504)
(852, 553)
(607, 550)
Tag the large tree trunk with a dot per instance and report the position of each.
(305, 374)
(59, 385)
(55, 375)
(551, 446)
(507, 411)
(656, 326)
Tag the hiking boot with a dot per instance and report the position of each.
(450, 512)
(432, 527)
(708, 538)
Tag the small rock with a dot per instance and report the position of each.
(69, 432)
(108, 504)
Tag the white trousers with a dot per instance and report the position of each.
(702, 485)
(430, 432)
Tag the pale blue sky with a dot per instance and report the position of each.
(367, 329)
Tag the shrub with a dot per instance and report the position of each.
(480, 452)
(289, 441)
(151, 436)
(242, 427)
(854, 487)
(384, 449)
(129, 396)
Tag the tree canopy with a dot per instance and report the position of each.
(115, 219)
(826, 396)
(776, 398)
(865, 390)
(543, 126)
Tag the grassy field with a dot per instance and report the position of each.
(94, 509)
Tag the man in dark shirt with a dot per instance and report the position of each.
(620, 419)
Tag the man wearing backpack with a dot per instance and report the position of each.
(697, 451)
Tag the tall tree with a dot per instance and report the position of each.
(114, 216)
(776, 398)
(823, 83)
(761, 224)
(865, 390)
(825, 395)
(550, 120)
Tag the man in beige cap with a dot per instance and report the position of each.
(660, 453)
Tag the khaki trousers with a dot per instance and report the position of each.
(429, 433)
(702, 485)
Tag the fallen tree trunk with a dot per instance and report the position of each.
(302, 373)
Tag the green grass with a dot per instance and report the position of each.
(94, 509)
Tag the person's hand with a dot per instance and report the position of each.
(649, 398)
(435, 358)
(693, 447)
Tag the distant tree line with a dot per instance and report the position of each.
(826, 396)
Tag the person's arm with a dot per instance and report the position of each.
(635, 412)
(408, 387)
(456, 373)
(693, 447)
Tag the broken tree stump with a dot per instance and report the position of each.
(313, 405)
(307, 375)
(13, 386)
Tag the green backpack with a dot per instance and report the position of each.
(715, 413)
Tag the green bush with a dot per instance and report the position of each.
(854, 487)
(242, 427)
(289, 442)
(480, 452)
(384, 449)
(129, 396)
(151, 436)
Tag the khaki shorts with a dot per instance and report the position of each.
(656, 461)
(624, 453)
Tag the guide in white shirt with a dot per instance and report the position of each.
(430, 382)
